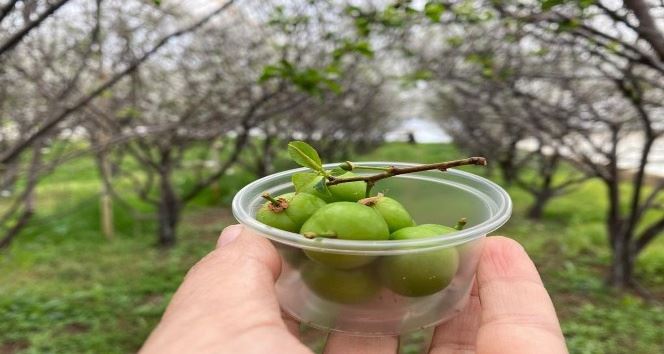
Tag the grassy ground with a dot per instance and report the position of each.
(65, 289)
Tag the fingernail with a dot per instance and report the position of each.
(229, 235)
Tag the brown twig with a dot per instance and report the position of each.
(394, 171)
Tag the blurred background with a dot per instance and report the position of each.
(126, 127)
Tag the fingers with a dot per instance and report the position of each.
(227, 302)
(459, 335)
(339, 343)
(517, 313)
(236, 276)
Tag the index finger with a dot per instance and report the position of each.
(517, 313)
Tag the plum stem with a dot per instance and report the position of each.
(461, 224)
(367, 192)
(369, 201)
(276, 205)
(271, 199)
(394, 171)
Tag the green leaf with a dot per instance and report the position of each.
(270, 71)
(304, 155)
(337, 171)
(353, 10)
(321, 187)
(548, 4)
(308, 80)
(333, 86)
(455, 41)
(613, 46)
(568, 25)
(434, 10)
(362, 26)
(364, 48)
(302, 179)
(422, 74)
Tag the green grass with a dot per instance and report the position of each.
(64, 288)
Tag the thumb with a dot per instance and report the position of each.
(240, 272)
(517, 313)
(225, 300)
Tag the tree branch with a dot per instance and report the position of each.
(55, 120)
(7, 9)
(18, 36)
(649, 234)
(647, 27)
(395, 171)
(240, 143)
(9, 236)
(649, 202)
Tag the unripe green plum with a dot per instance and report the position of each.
(311, 189)
(342, 286)
(350, 192)
(421, 273)
(396, 216)
(345, 221)
(300, 206)
(435, 228)
(291, 255)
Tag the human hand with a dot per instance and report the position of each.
(227, 304)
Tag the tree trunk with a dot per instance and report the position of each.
(622, 263)
(106, 202)
(265, 163)
(8, 176)
(506, 162)
(9, 236)
(28, 197)
(507, 171)
(544, 193)
(536, 209)
(168, 211)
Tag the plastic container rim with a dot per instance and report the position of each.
(246, 197)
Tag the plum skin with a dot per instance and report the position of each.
(396, 216)
(345, 221)
(341, 286)
(300, 207)
(349, 192)
(419, 273)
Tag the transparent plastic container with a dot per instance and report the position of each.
(358, 301)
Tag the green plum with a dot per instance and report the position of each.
(342, 286)
(396, 216)
(421, 273)
(291, 255)
(346, 221)
(438, 229)
(350, 192)
(291, 212)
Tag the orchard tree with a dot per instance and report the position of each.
(618, 97)
(176, 110)
(477, 99)
(608, 92)
(55, 74)
(320, 55)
